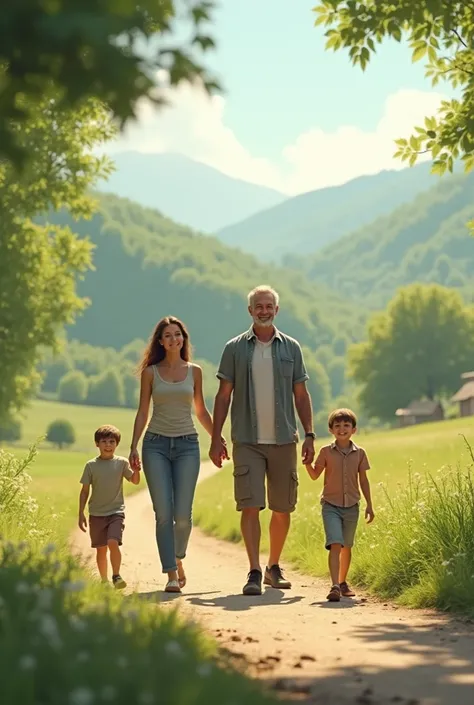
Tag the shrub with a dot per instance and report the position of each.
(318, 383)
(106, 390)
(10, 430)
(131, 386)
(16, 505)
(61, 433)
(53, 370)
(337, 372)
(63, 641)
(73, 388)
(421, 546)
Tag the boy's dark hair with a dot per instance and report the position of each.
(107, 431)
(342, 415)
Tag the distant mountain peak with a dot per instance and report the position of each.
(188, 191)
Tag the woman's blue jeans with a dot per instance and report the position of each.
(171, 467)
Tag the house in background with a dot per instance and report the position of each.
(421, 411)
(465, 396)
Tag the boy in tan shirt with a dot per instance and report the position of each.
(345, 468)
(104, 475)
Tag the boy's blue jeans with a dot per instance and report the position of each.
(171, 467)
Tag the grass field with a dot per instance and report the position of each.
(400, 459)
(55, 483)
(85, 420)
(56, 473)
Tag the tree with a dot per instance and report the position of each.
(106, 390)
(10, 430)
(337, 375)
(53, 368)
(40, 263)
(108, 50)
(442, 31)
(73, 387)
(61, 433)
(417, 348)
(131, 388)
(318, 383)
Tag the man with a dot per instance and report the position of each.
(263, 372)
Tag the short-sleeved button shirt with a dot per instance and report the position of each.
(288, 369)
(341, 477)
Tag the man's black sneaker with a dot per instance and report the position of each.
(254, 583)
(275, 578)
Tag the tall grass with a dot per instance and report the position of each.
(67, 641)
(421, 549)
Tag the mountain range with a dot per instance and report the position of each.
(306, 223)
(147, 266)
(187, 191)
(426, 240)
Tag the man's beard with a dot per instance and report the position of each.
(263, 324)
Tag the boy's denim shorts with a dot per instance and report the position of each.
(340, 524)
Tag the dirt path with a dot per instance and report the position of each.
(354, 651)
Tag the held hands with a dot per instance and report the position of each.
(134, 459)
(311, 471)
(218, 452)
(82, 523)
(307, 451)
(369, 514)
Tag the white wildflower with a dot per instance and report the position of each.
(82, 657)
(413, 541)
(172, 647)
(49, 629)
(27, 662)
(445, 563)
(77, 623)
(22, 588)
(45, 599)
(81, 696)
(74, 586)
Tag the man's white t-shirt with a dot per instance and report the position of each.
(264, 387)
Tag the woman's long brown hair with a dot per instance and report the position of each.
(155, 352)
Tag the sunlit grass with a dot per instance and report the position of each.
(399, 460)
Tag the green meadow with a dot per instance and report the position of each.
(418, 549)
(56, 473)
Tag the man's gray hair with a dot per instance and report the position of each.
(262, 289)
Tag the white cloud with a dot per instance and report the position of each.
(194, 125)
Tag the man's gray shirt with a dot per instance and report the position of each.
(288, 369)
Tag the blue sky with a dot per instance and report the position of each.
(277, 74)
(293, 116)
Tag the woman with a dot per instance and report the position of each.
(170, 451)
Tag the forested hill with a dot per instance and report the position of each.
(306, 223)
(425, 241)
(147, 266)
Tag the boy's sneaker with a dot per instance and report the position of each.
(118, 582)
(253, 585)
(346, 591)
(334, 594)
(275, 578)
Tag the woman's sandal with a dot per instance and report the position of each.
(173, 586)
(181, 576)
